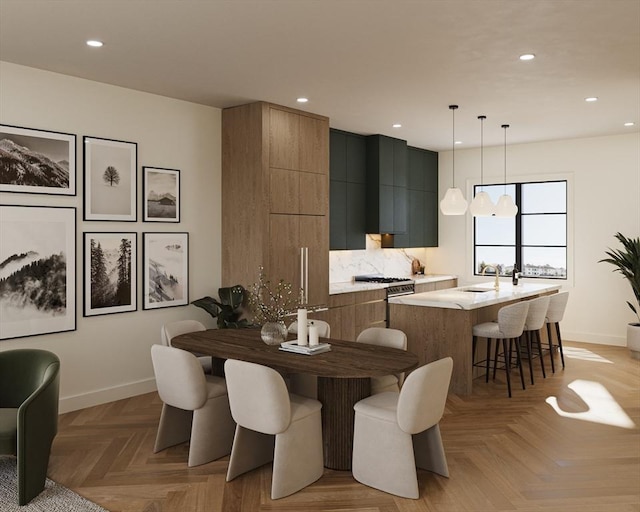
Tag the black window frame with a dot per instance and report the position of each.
(518, 229)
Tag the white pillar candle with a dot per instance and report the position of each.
(302, 327)
(313, 336)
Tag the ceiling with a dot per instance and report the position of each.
(366, 64)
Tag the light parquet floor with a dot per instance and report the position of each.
(504, 454)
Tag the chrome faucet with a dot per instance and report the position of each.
(496, 285)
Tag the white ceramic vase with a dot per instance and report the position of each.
(633, 340)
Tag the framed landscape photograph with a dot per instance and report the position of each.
(166, 270)
(37, 270)
(37, 161)
(110, 179)
(161, 194)
(109, 273)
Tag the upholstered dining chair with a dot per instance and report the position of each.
(172, 329)
(384, 337)
(396, 432)
(29, 392)
(273, 425)
(508, 328)
(195, 408)
(302, 383)
(555, 313)
(531, 331)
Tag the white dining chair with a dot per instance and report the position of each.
(384, 337)
(172, 329)
(302, 383)
(397, 432)
(195, 407)
(273, 425)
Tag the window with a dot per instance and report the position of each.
(535, 239)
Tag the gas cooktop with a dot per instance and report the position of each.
(375, 278)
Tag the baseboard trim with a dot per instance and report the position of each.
(600, 339)
(105, 395)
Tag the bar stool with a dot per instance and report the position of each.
(557, 305)
(509, 326)
(535, 321)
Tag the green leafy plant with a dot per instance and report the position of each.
(627, 262)
(228, 310)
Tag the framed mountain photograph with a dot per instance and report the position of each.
(109, 273)
(37, 161)
(110, 179)
(166, 270)
(37, 270)
(161, 194)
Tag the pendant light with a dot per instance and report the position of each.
(453, 202)
(482, 205)
(505, 207)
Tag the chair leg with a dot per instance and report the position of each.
(560, 343)
(250, 450)
(298, 459)
(553, 365)
(527, 339)
(519, 361)
(174, 427)
(495, 358)
(507, 365)
(474, 343)
(489, 341)
(429, 451)
(211, 432)
(539, 341)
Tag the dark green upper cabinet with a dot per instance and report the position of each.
(347, 191)
(422, 200)
(386, 185)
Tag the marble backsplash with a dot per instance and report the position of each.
(343, 265)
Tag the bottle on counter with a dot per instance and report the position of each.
(515, 275)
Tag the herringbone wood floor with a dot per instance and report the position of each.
(504, 454)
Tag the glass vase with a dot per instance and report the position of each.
(273, 333)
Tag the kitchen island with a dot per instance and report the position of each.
(440, 323)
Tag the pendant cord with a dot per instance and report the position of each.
(453, 141)
(482, 118)
(505, 126)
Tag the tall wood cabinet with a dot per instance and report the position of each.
(275, 196)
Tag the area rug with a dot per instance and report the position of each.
(54, 498)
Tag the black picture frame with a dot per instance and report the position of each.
(161, 194)
(34, 161)
(37, 270)
(110, 179)
(165, 257)
(110, 272)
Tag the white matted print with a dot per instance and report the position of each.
(161, 199)
(166, 270)
(109, 273)
(37, 161)
(37, 270)
(110, 179)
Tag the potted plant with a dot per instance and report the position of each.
(627, 262)
(228, 310)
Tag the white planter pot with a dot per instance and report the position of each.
(633, 340)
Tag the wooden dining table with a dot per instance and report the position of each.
(343, 374)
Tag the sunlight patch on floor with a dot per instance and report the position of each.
(584, 355)
(601, 406)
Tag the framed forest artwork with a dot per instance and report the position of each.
(37, 161)
(37, 270)
(110, 179)
(161, 194)
(166, 270)
(109, 273)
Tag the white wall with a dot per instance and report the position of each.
(604, 192)
(107, 357)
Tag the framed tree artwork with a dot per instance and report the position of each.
(109, 273)
(110, 179)
(161, 194)
(37, 270)
(166, 270)
(37, 161)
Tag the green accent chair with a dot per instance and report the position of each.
(29, 390)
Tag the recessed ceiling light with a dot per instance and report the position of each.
(591, 99)
(302, 100)
(94, 43)
(397, 125)
(458, 142)
(527, 56)
(629, 124)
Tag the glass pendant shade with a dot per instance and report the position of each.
(482, 205)
(506, 207)
(453, 202)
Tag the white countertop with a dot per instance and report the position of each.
(458, 298)
(351, 286)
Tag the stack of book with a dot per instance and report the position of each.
(292, 346)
